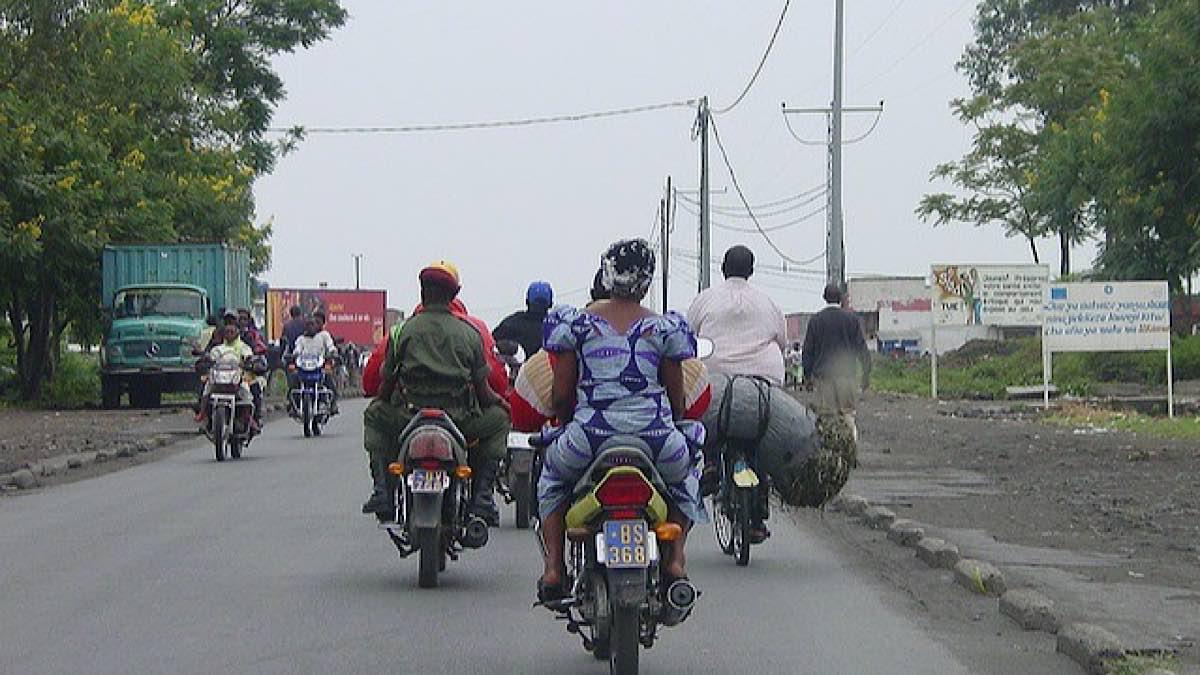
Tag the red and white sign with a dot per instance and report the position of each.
(358, 316)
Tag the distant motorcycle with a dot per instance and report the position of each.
(515, 482)
(230, 408)
(617, 531)
(312, 401)
(431, 491)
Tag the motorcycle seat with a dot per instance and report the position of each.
(432, 417)
(621, 451)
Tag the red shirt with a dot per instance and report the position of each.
(497, 377)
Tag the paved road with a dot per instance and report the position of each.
(264, 566)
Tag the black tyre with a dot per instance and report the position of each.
(306, 415)
(235, 447)
(429, 541)
(110, 392)
(316, 427)
(522, 496)
(219, 429)
(602, 623)
(722, 525)
(625, 641)
(744, 499)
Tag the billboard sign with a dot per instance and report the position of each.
(988, 295)
(1115, 316)
(358, 316)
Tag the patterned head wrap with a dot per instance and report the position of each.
(627, 268)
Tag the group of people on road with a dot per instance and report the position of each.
(618, 368)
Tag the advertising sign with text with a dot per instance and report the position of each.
(988, 295)
(1113, 316)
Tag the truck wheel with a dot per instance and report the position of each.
(145, 395)
(110, 392)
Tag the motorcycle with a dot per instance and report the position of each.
(230, 411)
(430, 487)
(311, 400)
(516, 482)
(617, 537)
(515, 479)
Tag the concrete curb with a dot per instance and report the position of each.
(1092, 647)
(1030, 610)
(979, 577)
(30, 475)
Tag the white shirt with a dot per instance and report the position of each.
(320, 344)
(747, 329)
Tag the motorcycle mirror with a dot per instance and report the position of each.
(704, 348)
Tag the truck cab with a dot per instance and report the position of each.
(148, 345)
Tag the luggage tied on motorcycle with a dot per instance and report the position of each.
(807, 457)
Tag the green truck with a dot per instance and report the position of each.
(157, 299)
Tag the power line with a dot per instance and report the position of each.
(759, 268)
(773, 228)
(917, 45)
(762, 62)
(745, 202)
(493, 124)
(871, 36)
(765, 205)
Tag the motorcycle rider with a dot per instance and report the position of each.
(437, 361)
(318, 343)
(749, 336)
(525, 327)
(231, 346)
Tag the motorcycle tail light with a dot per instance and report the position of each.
(624, 489)
(430, 443)
(430, 464)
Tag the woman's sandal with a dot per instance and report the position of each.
(547, 594)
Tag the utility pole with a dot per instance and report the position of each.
(665, 239)
(705, 225)
(835, 252)
(357, 262)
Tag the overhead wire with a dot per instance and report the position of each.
(492, 124)
(765, 205)
(762, 62)
(873, 33)
(774, 228)
(746, 202)
(895, 63)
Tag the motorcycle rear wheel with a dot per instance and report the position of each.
(219, 429)
(744, 498)
(625, 642)
(522, 496)
(429, 541)
(306, 416)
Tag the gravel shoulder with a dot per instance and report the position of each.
(1107, 524)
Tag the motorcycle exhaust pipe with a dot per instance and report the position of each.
(476, 535)
(681, 597)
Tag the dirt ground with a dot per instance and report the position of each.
(1002, 471)
(34, 435)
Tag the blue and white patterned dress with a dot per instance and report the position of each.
(619, 393)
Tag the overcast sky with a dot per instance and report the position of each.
(512, 205)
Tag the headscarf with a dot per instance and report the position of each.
(627, 268)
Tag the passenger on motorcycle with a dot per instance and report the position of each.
(525, 327)
(749, 336)
(318, 343)
(231, 347)
(437, 361)
(618, 371)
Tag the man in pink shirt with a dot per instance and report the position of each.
(748, 331)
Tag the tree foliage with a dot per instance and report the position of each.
(1101, 94)
(118, 124)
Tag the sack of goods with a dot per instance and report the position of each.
(807, 458)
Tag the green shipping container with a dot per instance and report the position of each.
(221, 270)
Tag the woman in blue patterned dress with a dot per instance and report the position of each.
(618, 372)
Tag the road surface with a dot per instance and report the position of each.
(264, 565)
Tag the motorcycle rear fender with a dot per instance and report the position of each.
(586, 508)
(426, 509)
(626, 587)
(520, 460)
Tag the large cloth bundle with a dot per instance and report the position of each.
(808, 459)
(532, 394)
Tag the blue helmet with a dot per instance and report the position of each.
(540, 293)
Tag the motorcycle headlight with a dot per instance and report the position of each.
(225, 375)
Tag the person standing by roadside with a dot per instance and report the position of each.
(832, 345)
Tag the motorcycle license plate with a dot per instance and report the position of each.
(625, 543)
(424, 480)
